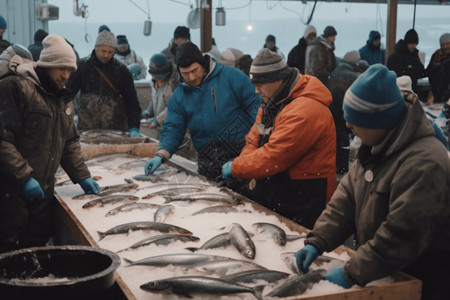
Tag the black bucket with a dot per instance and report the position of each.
(57, 272)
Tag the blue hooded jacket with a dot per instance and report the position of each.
(223, 108)
(370, 53)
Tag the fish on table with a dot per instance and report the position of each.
(189, 286)
(174, 191)
(220, 209)
(149, 178)
(272, 231)
(241, 240)
(176, 259)
(220, 240)
(163, 239)
(137, 163)
(108, 190)
(291, 261)
(167, 185)
(110, 199)
(250, 276)
(297, 284)
(146, 225)
(127, 207)
(222, 267)
(210, 197)
(163, 212)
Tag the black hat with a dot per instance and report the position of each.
(182, 32)
(268, 66)
(271, 38)
(187, 54)
(40, 35)
(122, 40)
(103, 27)
(411, 37)
(329, 31)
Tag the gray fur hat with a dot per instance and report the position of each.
(106, 38)
(268, 66)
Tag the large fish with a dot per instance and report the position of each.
(130, 207)
(221, 209)
(188, 286)
(168, 185)
(223, 267)
(210, 197)
(294, 237)
(220, 240)
(162, 213)
(110, 199)
(108, 190)
(173, 191)
(154, 226)
(272, 231)
(297, 284)
(241, 240)
(250, 276)
(291, 262)
(163, 239)
(151, 178)
(176, 259)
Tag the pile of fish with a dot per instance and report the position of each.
(189, 237)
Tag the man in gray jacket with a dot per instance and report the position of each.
(38, 135)
(396, 197)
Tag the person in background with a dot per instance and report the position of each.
(244, 63)
(8, 54)
(438, 72)
(161, 70)
(320, 60)
(37, 47)
(405, 58)
(271, 44)
(218, 105)
(230, 57)
(291, 148)
(215, 52)
(3, 43)
(129, 58)
(181, 35)
(103, 27)
(108, 98)
(296, 57)
(396, 197)
(372, 51)
(39, 134)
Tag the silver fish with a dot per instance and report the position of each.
(173, 191)
(220, 240)
(167, 185)
(250, 276)
(131, 206)
(272, 231)
(222, 209)
(294, 237)
(108, 190)
(163, 239)
(211, 197)
(133, 226)
(176, 259)
(223, 267)
(162, 213)
(139, 163)
(291, 262)
(242, 241)
(198, 285)
(152, 178)
(110, 199)
(297, 284)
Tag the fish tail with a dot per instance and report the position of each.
(192, 249)
(257, 291)
(101, 235)
(128, 261)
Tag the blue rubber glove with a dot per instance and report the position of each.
(337, 276)
(305, 257)
(134, 69)
(153, 123)
(226, 171)
(89, 186)
(33, 189)
(134, 132)
(152, 165)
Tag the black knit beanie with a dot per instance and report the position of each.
(40, 35)
(268, 66)
(411, 37)
(187, 54)
(329, 31)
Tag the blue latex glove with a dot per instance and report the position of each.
(153, 123)
(134, 69)
(134, 132)
(305, 257)
(33, 189)
(226, 171)
(337, 276)
(152, 165)
(89, 186)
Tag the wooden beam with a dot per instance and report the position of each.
(205, 25)
(391, 29)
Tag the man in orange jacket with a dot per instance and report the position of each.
(291, 148)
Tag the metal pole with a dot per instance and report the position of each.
(206, 25)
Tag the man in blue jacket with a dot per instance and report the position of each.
(372, 51)
(218, 105)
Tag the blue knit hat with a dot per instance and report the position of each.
(374, 100)
(160, 66)
(3, 24)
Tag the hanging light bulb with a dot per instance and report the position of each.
(220, 16)
(249, 26)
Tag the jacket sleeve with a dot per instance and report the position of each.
(252, 140)
(129, 93)
(141, 63)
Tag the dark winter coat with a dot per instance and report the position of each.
(100, 107)
(39, 135)
(4, 44)
(396, 201)
(372, 54)
(438, 72)
(340, 80)
(35, 50)
(296, 57)
(320, 60)
(295, 166)
(404, 62)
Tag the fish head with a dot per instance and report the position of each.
(157, 286)
(249, 253)
(280, 240)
